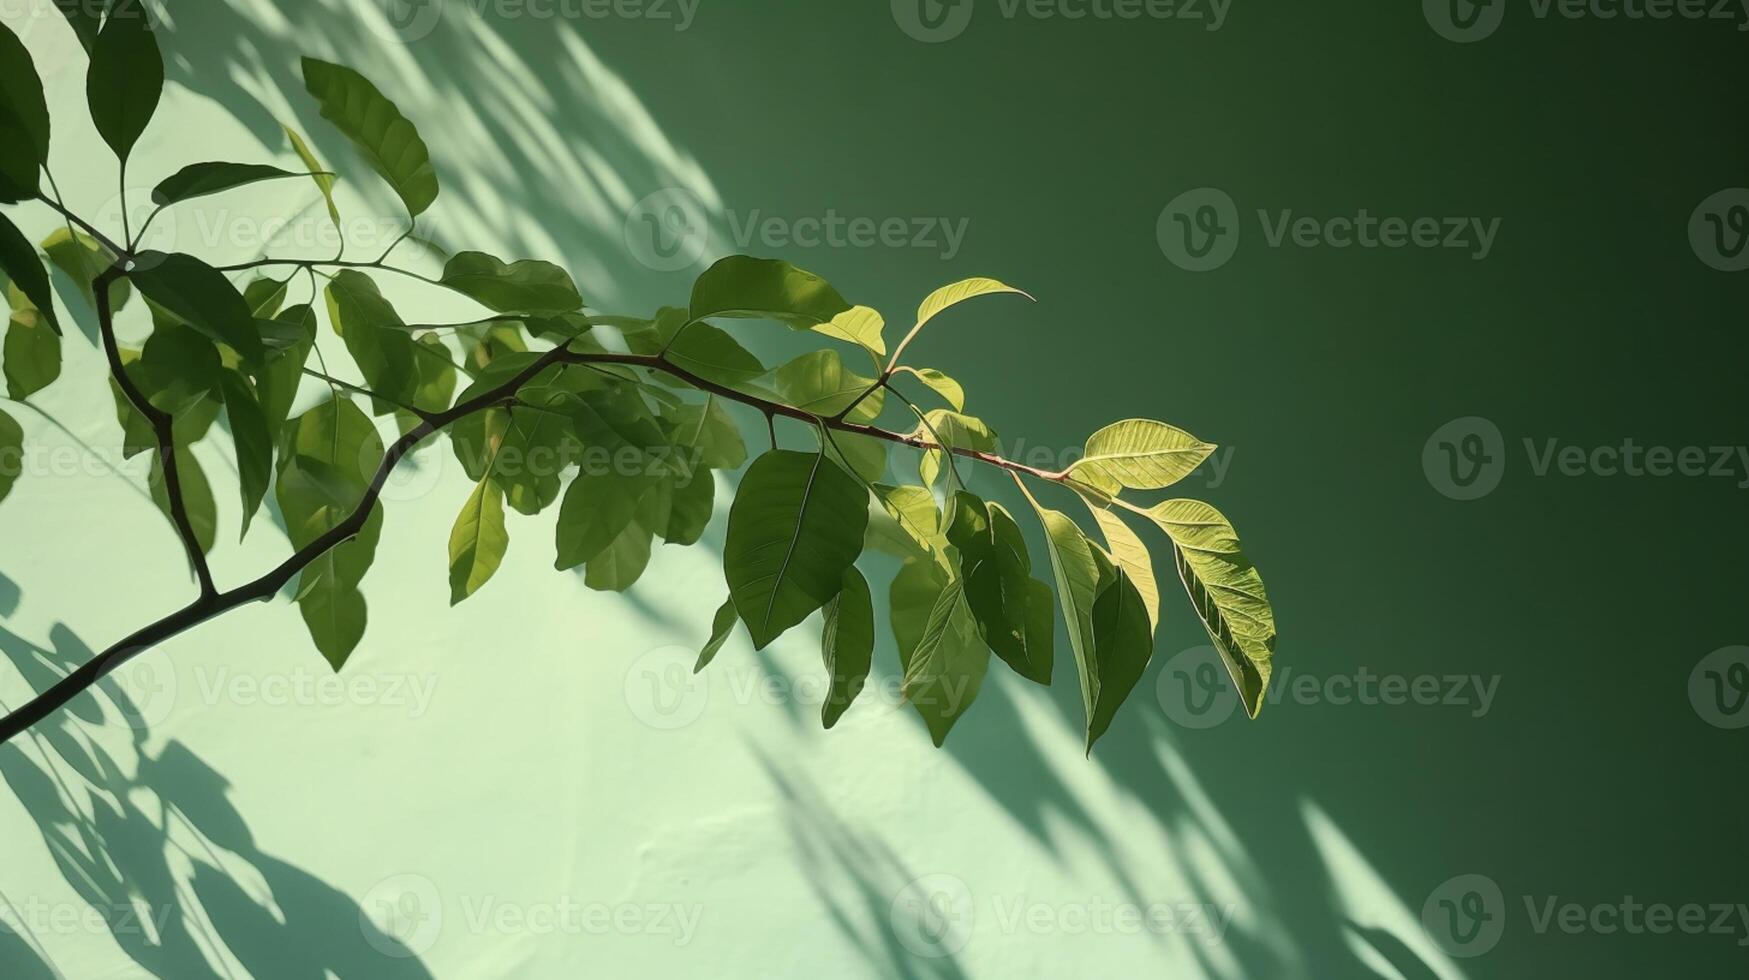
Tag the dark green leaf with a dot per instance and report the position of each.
(11, 453)
(708, 430)
(201, 179)
(618, 567)
(254, 442)
(537, 446)
(388, 141)
(285, 367)
(478, 541)
(722, 625)
(690, 514)
(527, 286)
(797, 523)
(197, 496)
(24, 122)
(1076, 564)
(1124, 639)
(126, 78)
(18, 259)
(202, 297)
(599, 505)
(743, 286)
(713, 355)
(847, 645)
(1000, 589)
(375, 336)
(264, 296)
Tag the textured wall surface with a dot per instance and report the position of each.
(1496, 737)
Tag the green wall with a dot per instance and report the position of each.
(530, 785)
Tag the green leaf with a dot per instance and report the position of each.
(949, 389)
(953, 295)
(375, 336)
(690, 515)
(797, 523)
(708, 429)
(946, 668)
(82, 259)
(599, 506)
(478, 541)
(11, 453)
(910, 599)
(85, 17)
(847, 645)
(956, 431)
(33, 354)
(864, 456)
(253, 439)
(126, 78)
(528, 286)
(388, 141)
(197, 496)
(264, 296)
(333, 451)
(202, 297)
(1131, 555)
(24, 122)
(1075, 562)
(18, 259)
(745, 287)
(318, 173)
(1138, 454)
(622, 564)
(1125, 642)
(1013, 610)
(201, 179)
(859, 325)
(722, 625)
(713, 355)
(914, 510)
(278, 387)
(1226, 590)
(818, 383)
(536, 447)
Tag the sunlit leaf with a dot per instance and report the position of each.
(1131, 555)
(953, 295)
(526, 286)
(252, 439)
(126, 78)
(82, 259)
(859, 325)
(944, 671)
(32, 350)
(955, 430)
(1138, 454)
(949, 389)
(818, 383)
(388, 141)
(743, 286)
(1075, 562)
(797, 523)
(1225, 590)
(24, 121)
(846, 645)
(318, 173)
(477, 542)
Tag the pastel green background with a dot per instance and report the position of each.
(515, 756)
